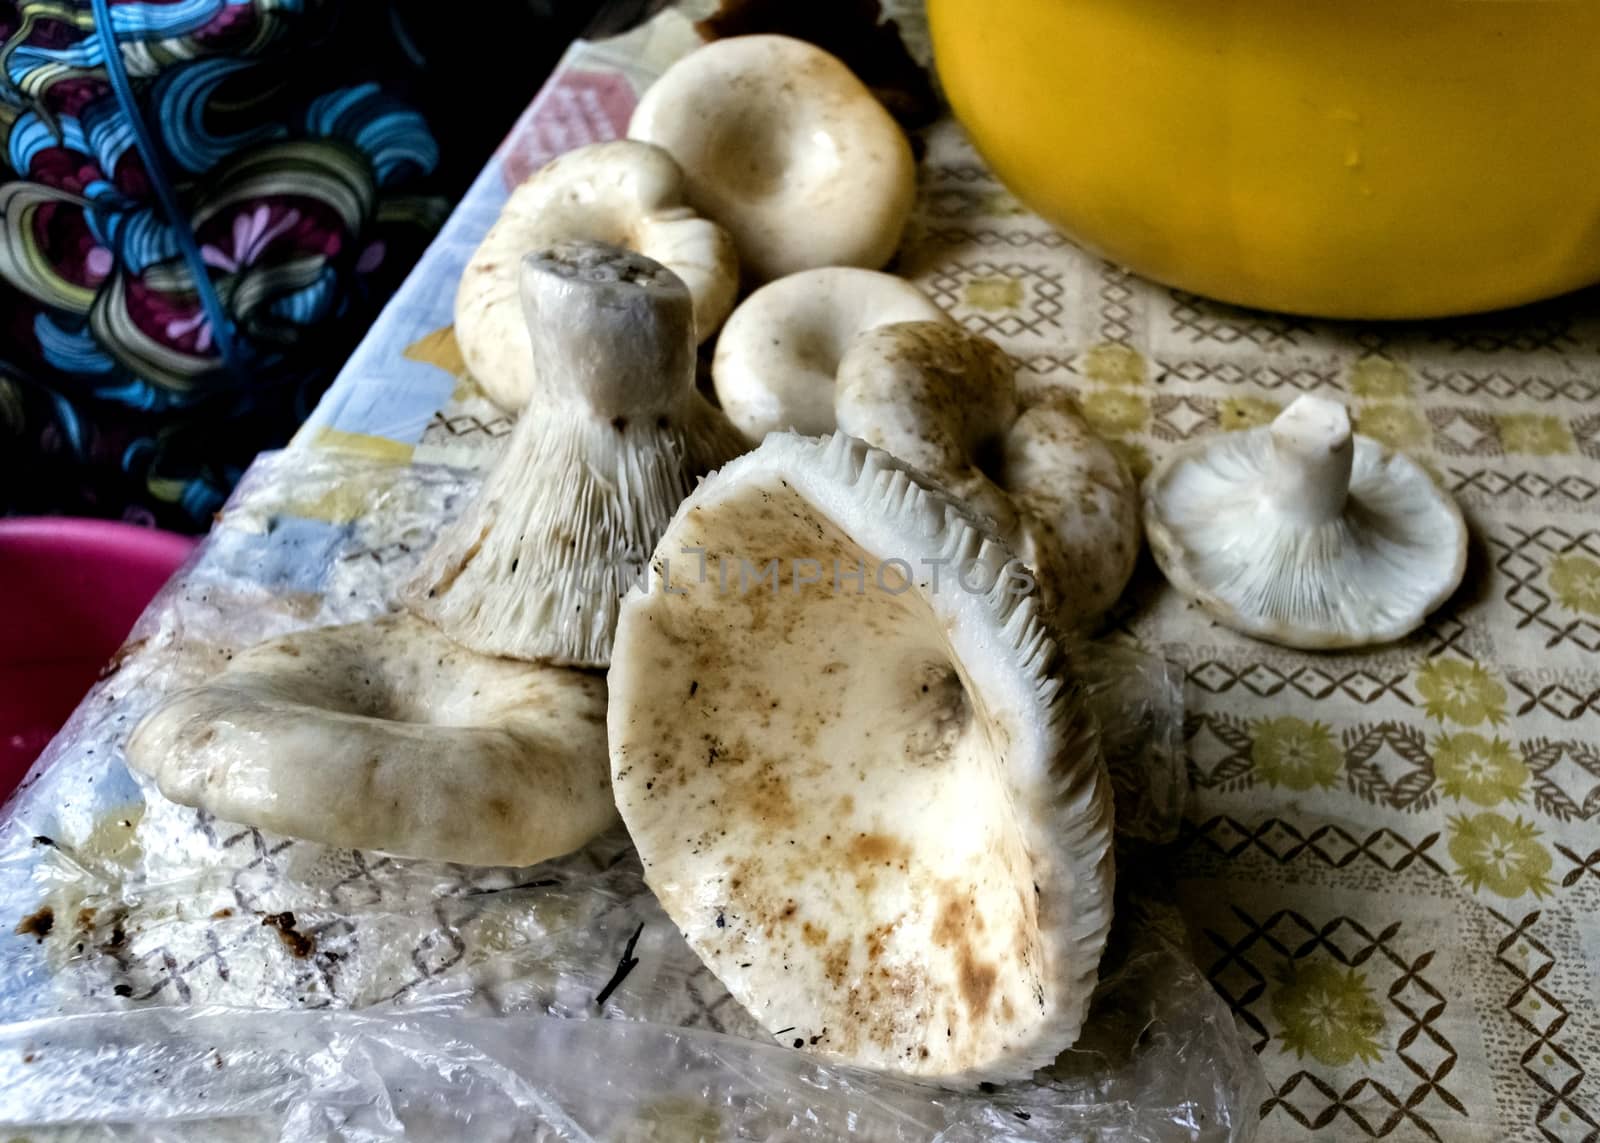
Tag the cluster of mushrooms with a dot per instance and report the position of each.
(804, 639)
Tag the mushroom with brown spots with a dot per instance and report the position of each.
(933, 903)
(945, 401)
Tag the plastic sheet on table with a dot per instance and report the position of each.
(166, 975)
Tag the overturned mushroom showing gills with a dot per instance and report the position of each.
(536, 566)
(859, 786)
(776, 359)
(386, 736)
(625, 193)
(1300, 533)
(945, 401)
(782, 145)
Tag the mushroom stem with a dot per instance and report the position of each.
(1313, 451)
(611, 330)
(535, 566)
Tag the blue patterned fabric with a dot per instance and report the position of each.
(202, 205)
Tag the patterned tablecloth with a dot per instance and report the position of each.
(1391, 866)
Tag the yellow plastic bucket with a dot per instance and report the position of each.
(1339, 158)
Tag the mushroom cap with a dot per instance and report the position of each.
(624, 193)
(1077, 509)
(944, 400)
(776, 359)
(787, 149)
(386, 735)
(878, 815)
(1269, 547)
(536, 566)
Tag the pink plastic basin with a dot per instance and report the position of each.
(69, 592)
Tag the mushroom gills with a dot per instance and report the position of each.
(537, 565)
(1304, 534)
(864, 800)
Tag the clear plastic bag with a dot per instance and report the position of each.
(172, 976)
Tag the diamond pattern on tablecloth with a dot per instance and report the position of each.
(1178, 418)
(1195, 321)
(1354, 1023)
(1566, 777)
(1002, 299)
(1543, 1016)
(1464, 432)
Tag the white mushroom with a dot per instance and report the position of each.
(625, 193)
(776, 359)
(616, 437)
(945, 401)
(859, 786)
(787, 149)
(386, 736)
(1300, 534)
